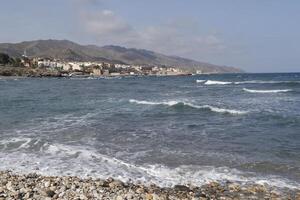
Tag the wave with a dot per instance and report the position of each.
(210, 82)
(200, 81)
(224, 110)
(266, 91)
(67, 160)
(53, 124)
(265, 82)
(213, 82)
(182, 103)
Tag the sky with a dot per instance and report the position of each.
(254, 35)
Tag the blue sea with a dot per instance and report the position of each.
(163, 130)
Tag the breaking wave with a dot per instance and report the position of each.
(65, 160)
(266, 82)
(182, 103)
(210, 82)
(266, 91)
(200, 81)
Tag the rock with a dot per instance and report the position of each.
(203, 198)
(119, 198)
(114, 184)
(61, 195)
(99, 183)
(129, 195)
(182, 188)
(27, 195)
(234, 187)
(47, 184)
(156, 197)
(41, 187)
(149, 196)
(298, 196)
(9, 186)
(50, 193)
(140, 190)
(83, 197)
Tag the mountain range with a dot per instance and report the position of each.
(71, 51)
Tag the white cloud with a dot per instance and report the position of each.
(181, 37)
(104, 24)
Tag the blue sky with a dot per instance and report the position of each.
(255, 35)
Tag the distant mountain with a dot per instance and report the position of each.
(70, 51)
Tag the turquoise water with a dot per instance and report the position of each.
(166, 130)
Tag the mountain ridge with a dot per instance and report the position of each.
(71, 51)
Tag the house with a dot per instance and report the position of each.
(76, 66)
(96, 71)
(105, 72)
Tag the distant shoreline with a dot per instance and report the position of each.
(7, 71)
(25, 186)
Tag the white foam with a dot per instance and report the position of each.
(61, 159)
(53, 124)
(264, 82)
(210, 82)
(17, 142)
(169, 103)
(173, 103)
(223, 110)
(266, 91)
(200, 81)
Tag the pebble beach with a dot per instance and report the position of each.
(35, 186)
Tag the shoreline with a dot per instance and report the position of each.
(35, 186)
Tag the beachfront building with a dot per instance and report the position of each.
(97, 71)
(53, 64)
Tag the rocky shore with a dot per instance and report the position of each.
(27, 72)
(34, 186)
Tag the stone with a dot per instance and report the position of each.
(9, 186)
(181, 188)
(119, 197)
(156, 197)
(47, 184)
(50, 193)
(114, 184)
(140, 190)
(149, 196)
(62, 194)
(82, 197)
(234, 187)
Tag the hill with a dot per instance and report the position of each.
(70, 51)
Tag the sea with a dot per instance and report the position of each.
(163, 130)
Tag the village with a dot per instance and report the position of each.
(97, 69)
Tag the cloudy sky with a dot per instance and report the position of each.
(255, 35)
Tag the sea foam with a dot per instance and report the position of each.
(214, 82)
(176, 103)
(61, 159)
(210, 82)
(266, 91)
(265, 82)
(200, 81)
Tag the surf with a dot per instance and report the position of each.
(214, 82)
(190, 105)
(266, 91)
(210, 82)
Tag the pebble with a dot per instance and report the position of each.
(34, 186)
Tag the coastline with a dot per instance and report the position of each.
(36, 186)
